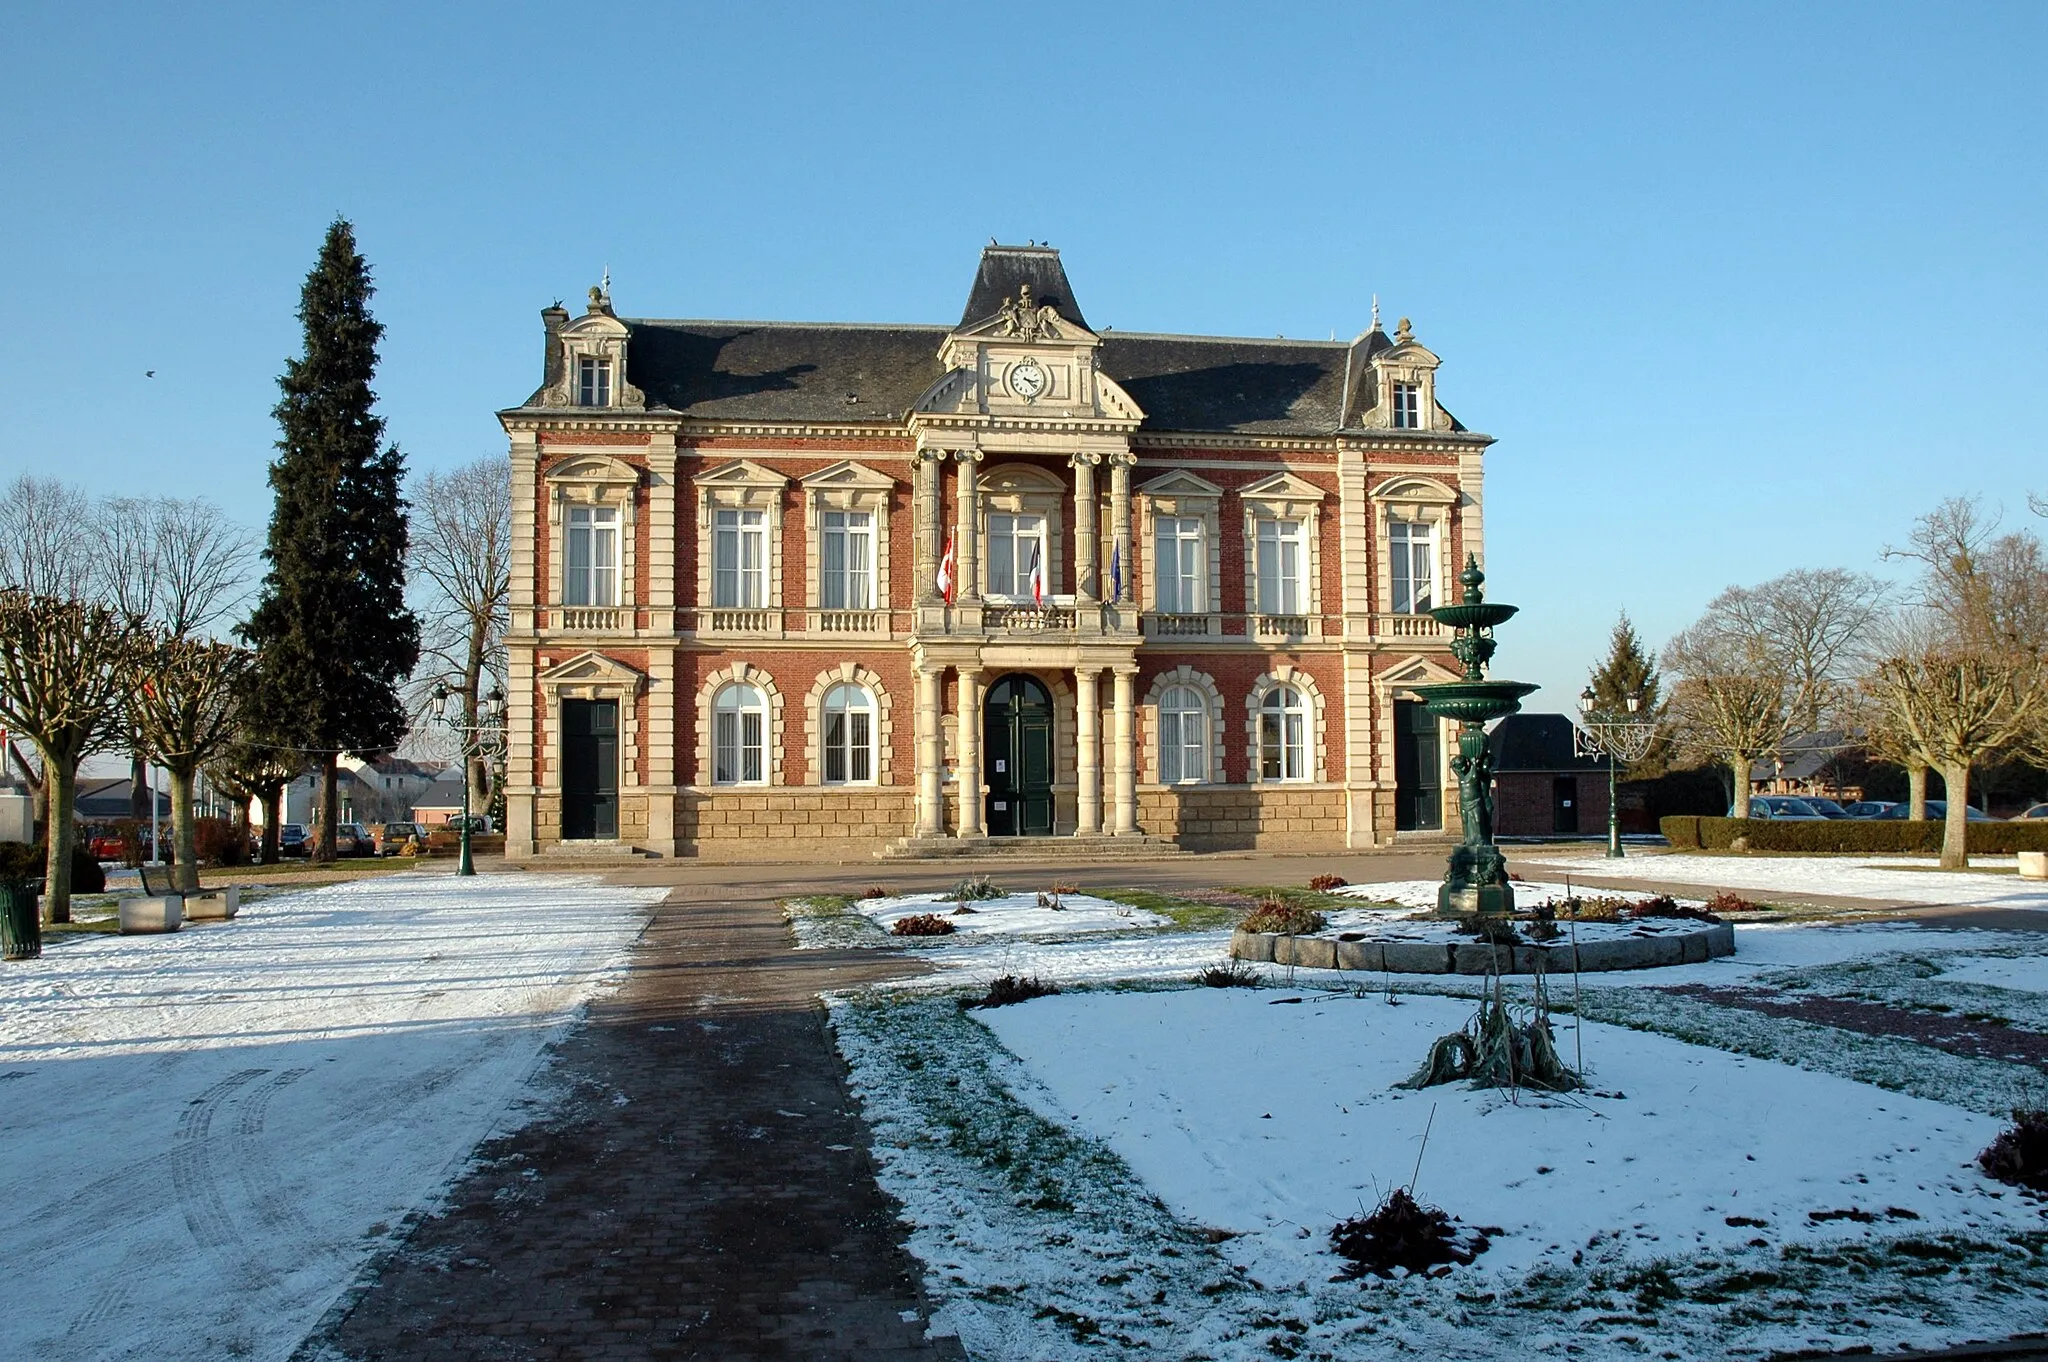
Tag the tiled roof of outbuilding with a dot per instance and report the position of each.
(1536, 742)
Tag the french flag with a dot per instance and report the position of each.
(1037, 576)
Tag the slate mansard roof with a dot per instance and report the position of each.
(840, 372)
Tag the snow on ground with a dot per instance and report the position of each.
(2027, 974)
(1265, 1119)
(1898, 880)
(1011, 915)
(1420, 895)
(208, 1134)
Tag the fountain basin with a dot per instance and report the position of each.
(1473, 702)
(1474, 614)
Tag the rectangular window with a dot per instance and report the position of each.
(1178, 560)
(736, 747)
(1183, 746)
(1014, 543)
(739, 559)
(1407, 406)
(593, 382)
(591, 574)
(1412, 548)
(1283, 745)
(847, 568)
(1282, 554)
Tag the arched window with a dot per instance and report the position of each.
(1283, 735)
(849, 735)
(739, 741)
(1183, 736)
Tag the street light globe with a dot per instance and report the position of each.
(1586, 701)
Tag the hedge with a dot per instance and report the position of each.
(21, 861)
(1689, 832)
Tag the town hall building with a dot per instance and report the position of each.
(833, 588)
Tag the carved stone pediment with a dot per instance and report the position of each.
(850, 475)
(1282, 487)
(595, 673)
(1179, 483)
(1416, 670)
(1415, 491)
(593, 468)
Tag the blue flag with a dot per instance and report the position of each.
(1116, 571)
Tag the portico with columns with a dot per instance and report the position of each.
(1126, 589)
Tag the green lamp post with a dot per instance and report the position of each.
(1614, 737)
(484, 738)
(1478, 878)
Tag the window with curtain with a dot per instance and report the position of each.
(847, 566)
(1179, 557)
(1411, 547)
(590, 576)
(1281, 564)
(739, 736)
(1183, 736)
(849, 735)
(1014, 543)
(739, 559)
(1283, 735)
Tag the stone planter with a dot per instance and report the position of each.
(156, 913)
(1697, 943)
(2034, 865)
(218, 905)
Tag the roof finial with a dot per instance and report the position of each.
(606, 283)
(1402, 335)
(1375, 312)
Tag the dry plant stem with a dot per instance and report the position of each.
(1426, 1127)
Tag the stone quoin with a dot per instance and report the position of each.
(877, 586)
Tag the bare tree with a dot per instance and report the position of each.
(461, 548)
(46, 539)
(183, 706)
(182, 565)
(1731, 701)
(64, 665)
(1815, 625)
(252, 771)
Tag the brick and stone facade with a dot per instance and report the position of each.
(728, 631)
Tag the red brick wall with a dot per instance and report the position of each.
(1522, 802)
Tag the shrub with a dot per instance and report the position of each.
(218, 841)
(2020, 1155)
(1490, 927)
(1063, 888)
(976, 887)
(1229, 974)
(21, 861)
(1011, 988)
(1323, 884)
(1865, 835)
(875, 891)
(1663, 905)
(1273, 915)
(1725, 902)
(1402, 1233)
(922, 924)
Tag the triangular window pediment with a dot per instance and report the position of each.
(741, 473)
(1180, 483)
(593, 668)
(848, 474)
(1416, 670)
(1282, 487)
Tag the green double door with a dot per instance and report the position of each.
(1016, 747)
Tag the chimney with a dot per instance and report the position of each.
(552, 319)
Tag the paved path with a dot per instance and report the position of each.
(702, 1190)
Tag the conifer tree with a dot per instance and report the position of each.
(1629, 673)
(331, 625)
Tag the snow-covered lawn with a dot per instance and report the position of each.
(1024, 915)
(1141, 1167)
(1899, 879)
(204, 1136)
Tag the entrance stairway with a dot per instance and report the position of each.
(588, 856)
(1144, 847)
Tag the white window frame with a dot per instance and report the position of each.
(739, 578)
(593, 381)
(1413, 542)
(1180, 564)
(853, 535)
(732, 746)
(1015, 528)
(852, 746)
(1281, 584)
(1284, 738)
(584, 482)
(1185, 734)
(591, 583)
(1407, 406)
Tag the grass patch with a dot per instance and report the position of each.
(1294, 896)
(1186, 915)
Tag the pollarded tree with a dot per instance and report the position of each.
(331, 624)
(252, 771)
(183, 707)
(64, 669)
(462, 551)
(1731, 704)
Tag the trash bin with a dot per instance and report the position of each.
(21, 926)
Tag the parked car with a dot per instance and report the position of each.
(1783, 807)
(1871, 808)
(2038, 811)
(1826, 808)
(392, 837)
(478, 822)
(353, 839)
(291, 840)
(1937, 810)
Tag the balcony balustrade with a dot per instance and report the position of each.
(745, 621)
(1406, 626)
(850, 621)
(1182, 626)
(578, 619)
(1026, 619)
(1280, 626)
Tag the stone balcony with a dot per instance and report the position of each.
(585, 619)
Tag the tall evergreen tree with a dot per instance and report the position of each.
(1629, 673)
(331, 625)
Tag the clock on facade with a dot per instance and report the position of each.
(1028, 379)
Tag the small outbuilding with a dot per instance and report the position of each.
(1542, 787)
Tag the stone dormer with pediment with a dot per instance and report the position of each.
(1404, 378)
(586, 359)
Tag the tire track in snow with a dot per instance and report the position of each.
(206, 1211)
(256, 1165)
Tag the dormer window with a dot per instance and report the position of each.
(593, 382)
(1408, 406)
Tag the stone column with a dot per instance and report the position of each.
(1087, 582)
(1125, 815)
(967, 533)
(1087, 711)
(1120, 513)
(926, 494)
(969, 747)
(931, 815)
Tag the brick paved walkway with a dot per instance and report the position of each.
(703, 1190)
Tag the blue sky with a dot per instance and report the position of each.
(1739, 288)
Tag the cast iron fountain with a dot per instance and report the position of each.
(1478, 878)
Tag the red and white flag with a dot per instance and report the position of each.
(1037, 576)
(946, 572)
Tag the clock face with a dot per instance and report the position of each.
(1028, 379)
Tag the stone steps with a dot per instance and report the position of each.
(1140, 848)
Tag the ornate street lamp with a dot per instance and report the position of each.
(484, 738)
(1613, 736)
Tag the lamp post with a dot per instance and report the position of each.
(485, 737)
(1615, 737)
